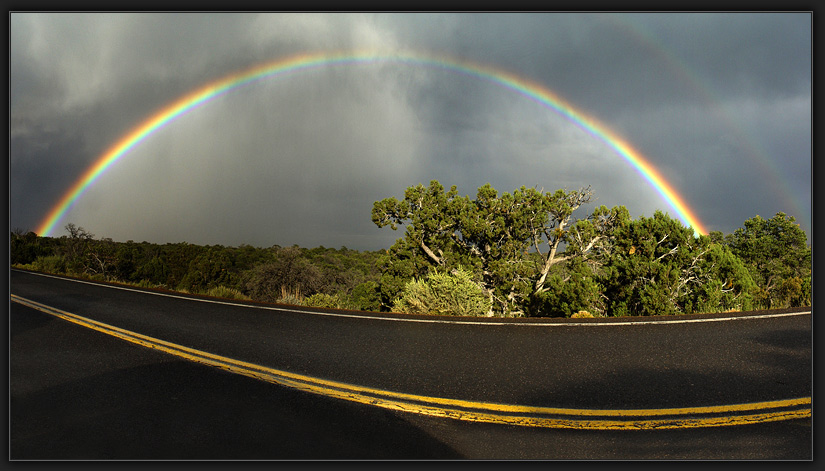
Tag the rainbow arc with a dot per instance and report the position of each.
(212, 90)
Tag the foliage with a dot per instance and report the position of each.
(570, 289)
(444, 293)
(510, 254)
(290, 296)
(531, 257)
(324, 300)
(659, 267)
(287, 271)
(221, 291)
(792, 291)
(492, 236)
(144, 284)
(25, 248)
(243, 272)
(778, 258)
(207, 270)
(365, 296)
(728, 286)
(48, 264)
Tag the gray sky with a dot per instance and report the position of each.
(718, 103)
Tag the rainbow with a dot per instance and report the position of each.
(290, 64)
(775, 174)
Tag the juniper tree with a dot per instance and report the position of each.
(779, 259)
(659, 267)
(511, 240)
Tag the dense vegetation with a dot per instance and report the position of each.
(515, 254)
(531, 257)
(321, 276)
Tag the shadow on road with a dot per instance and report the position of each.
(188, 411)
(69, 400)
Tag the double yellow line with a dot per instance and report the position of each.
(549, 417)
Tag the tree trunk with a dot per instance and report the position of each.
(435, 258)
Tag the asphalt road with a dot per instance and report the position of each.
(76, 393)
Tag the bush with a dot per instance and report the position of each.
(50, 264)
(323, 300)
(574, 288)
(144, 283)
(25, 249)
(366, 296)
(292, 297)
(581, 314)
(792, 292)
(221, 291)
(453, 294)
(288, 271)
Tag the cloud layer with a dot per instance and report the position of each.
(720, 104)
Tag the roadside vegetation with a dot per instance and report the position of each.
(525, 253)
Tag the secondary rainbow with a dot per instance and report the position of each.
(292, 64)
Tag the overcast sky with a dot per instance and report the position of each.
(719, 103)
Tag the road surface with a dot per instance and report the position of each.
(105, 372)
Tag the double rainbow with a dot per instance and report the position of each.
(221, 86)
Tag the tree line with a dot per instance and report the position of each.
(523, 253)
(526, 254)
(321, 277)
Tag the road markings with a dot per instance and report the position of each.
(548, 417)
(445, 320)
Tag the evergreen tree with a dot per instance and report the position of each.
(492, 236)
(659, 267)
(778, 258)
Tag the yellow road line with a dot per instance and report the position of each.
(608, 419)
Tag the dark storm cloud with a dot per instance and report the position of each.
(742, 53)
(681, 87)
(42, 160)
(719, 103)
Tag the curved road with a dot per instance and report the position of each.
(621, 388)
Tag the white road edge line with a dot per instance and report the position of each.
(431, 321)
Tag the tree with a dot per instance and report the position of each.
(728, 285)
(288, 272)
(492, 236)
(776, 253)
(366, 296)
(155, 271)
(569, 289)
(659, 267)
(25, 248)
(86, 256)
(100, 258)
(575, 285)
(209, 269)
(426, 213)
(74, 248)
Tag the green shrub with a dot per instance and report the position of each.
(323, 300)
(144, 283)
(366, 296)
(581, 314)
(791, 292)
(574, 288)
(221, 291)
(50, 264)
(453, 294)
